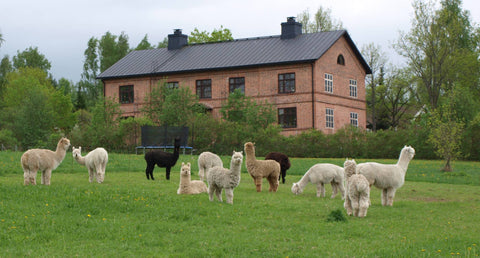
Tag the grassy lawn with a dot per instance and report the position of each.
(434, 214)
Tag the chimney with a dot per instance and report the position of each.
(291, 28)
(177, 40)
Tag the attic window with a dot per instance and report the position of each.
(340, 60)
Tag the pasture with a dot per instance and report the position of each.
(434, 214)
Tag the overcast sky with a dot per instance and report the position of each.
(61, 29)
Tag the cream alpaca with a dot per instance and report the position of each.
(95, 161)
(357, 197)
(187, 186)
(259, 169)
(43, 160)
(387, 177)
(207, 160)
(321, 174)
(219, 178)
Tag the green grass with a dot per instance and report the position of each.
(128, 215)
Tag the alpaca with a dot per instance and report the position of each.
(162, 159)
(207, 160)
(95, 161)
(320, 174)
(219, 178)
(284, 163)
(259, 169)
(187, 186)
(357, 197)
(387, 177)
(43, 160)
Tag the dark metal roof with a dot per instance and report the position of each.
(239, 53)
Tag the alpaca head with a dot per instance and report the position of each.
(409, 152)
(185, 170)
(76, 152)
(296, 189)
(237, 157)
(249, 147)
(349, 167)
(64, 143)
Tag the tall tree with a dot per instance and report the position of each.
(221, 34)
(376, 59)
(144, 44)
(440, 49)
(322, 21)
(5, 68)
(30, 57)
(111, 49)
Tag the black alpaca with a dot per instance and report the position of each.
(284, 163)
(162, 159)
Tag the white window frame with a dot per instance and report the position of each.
(353, 88)
(328, 83)
(329, 118)
(354, 119)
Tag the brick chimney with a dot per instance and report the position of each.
(177, 40)
(291, 28)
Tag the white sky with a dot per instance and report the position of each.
(61, 28)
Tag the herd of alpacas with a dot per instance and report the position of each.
(353, 180)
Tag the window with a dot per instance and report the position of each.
(237, 83)
(329, 118)
(204, 89)
(354, 119)
(329, 83)
(126, 94)
(286, 83)
(353, 88)
(340, 60)
(287, 117)
(172, 85)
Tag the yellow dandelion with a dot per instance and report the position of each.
(469, 248)
(13, 227)
(104, 219)
(26, 217)
(46, 204)
(423, 250)
(88, 215)
(439, 250)
(140, 235)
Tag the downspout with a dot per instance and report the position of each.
(313, 95)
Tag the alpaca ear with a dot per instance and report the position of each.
(80, 148)
(188, 164)
(183, 163)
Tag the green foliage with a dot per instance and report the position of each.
(7, 139)
(30, 57)
(221, 34)
(144, 44)
(112, 48)
(336, 216)
(322, 21)
(33, 109)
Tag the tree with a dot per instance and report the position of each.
(440, 49)
(446, 131)
(1, 39)
(376, 59)
(221, 34)
(322, 21)
(144, 44)
(111, 49)
(5, 68)
(33, 109)
(30, 57)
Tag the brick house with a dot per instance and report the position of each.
(314, 80)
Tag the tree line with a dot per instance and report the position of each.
(431, 102)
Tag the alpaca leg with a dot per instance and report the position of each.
(258, 183)
(26, 177)
(320, 190)
(149, 170)
(334, 189)
(384, 196)
(355, 204)
(229, 195)
(46, 175)
(348, 205)
(168, 173)
(33, 177)
(90, 175)
(284, 173)
(390, 196)
(99, 175)
(201, 173)
(363, 205)
(218, 192)
(211, 190)
(272, 180)
(341, 187)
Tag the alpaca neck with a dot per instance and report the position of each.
(304, 181)
(250, 155)
(60, 153)
(185, 179)
(80, 160)
(235, 168)
(403, 161)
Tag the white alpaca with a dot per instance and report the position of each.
(207, 160)
(387, 177)
(187, 186)
(43, 160)
(219, 178)
(321, 174)
(357, 197)
(95, 161)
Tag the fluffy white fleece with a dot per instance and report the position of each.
(206, 161)
(357, 197)
(95, 161)
(388, 177)
(219, 178)
(321, 174)
(188, 186)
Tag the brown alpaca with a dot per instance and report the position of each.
(259, 169)
(43, 160)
